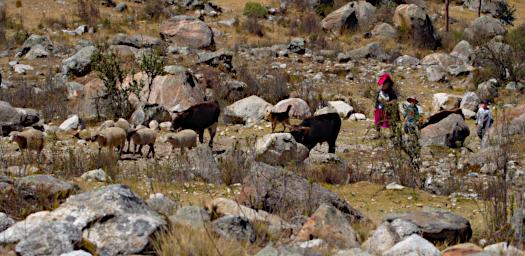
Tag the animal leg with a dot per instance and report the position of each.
(273, 126)
(212, 130)
(201, 136)
(331, 146)
(151, 150)
(140, 150)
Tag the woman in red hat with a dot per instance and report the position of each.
(385, 102)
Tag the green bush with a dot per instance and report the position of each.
(255, 10)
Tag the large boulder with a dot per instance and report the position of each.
(275, 190)
(413, 245)
(300, 108)
(248, 110)
(80, 63)
(10, 119)
(447, 132)
(351, 16)
(417, 23)
(437, 225)
(487, 6)
(445, 101)
(70, 124)
(435, 73)
(488, 90)
(370, 51)
(384, 31)
(37, 51)
(191, 216)
(470, 101)
(484, 27)
(464, 51)
(383, 238)
(136, 41)
(443, 60)
(280, 149)
(203, 166)
(112, 220)
(5, 222)
(174, 92)
(235, 228)
(342, 108)
(36, 41)
(187, 32)
(330, 225)
(37, 186)
(221, 58)
(224, 207)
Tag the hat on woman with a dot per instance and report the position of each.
(383, 78)
(412, 99)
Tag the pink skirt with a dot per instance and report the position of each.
(381, 118)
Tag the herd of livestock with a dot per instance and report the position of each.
(188, 126)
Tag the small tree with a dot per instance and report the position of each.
(506, 13)
(152, 63)
(109, 69)
(447, 4)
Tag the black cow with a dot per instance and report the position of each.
(318, 129)
(199, 118)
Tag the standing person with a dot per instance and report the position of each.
(385, 102)
(411, 115)
(483, 119)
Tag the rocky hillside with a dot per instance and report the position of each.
(87, 84)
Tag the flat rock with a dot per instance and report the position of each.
(437, 225)
(280, 149)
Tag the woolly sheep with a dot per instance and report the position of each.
(143, 137)
(111, 137)
(124, 124)
(30, 139)
(183, 139)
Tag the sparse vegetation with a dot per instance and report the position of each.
(88, 12)
(255, 10)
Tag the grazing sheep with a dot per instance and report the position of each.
(143, 137)
(122, 123)
(30, 139)
(183, 139)
(111, 137)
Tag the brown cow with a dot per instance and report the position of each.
(199, 118)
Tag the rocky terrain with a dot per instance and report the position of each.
(75, 68)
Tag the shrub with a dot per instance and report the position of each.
(151, 63)
(88, 12)
(255, 10)
(506, 13)
(3, 21)
(155, 9)
(253, 26)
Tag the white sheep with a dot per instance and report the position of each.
(111, 137)
(143, 137)
(124, 124)
(183, 139)
(29, 139)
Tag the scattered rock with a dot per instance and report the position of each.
(413, 245)
(370, 51)
(384, 31)
(488, 90)
(383, 238)
(246, 111)
(280, 149)
(484, 27)
(514, 86)
(98, 175)
(462, 249)
(187, 31)
(273, 189)
(437, 225)
(203, 165)
(444, 101)
(330, 225)
(417, 23)
(297, 45)
(350, 17)
(191, 216)
(235, 228)
(70, 124)
(5, 222)
(80, 63)
(22, 68)
(161, 204)
(407, 61)
(470, 101)
(342, 108)
(136, 41)
(300, 108)
(435, 73)
(36, 186)
(37, 51)
(218, 58)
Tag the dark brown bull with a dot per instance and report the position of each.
(199, 118)
(318, 129)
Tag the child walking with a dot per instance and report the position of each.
(411, 115)
(483, 119)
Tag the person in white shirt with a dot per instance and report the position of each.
(483, 119)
